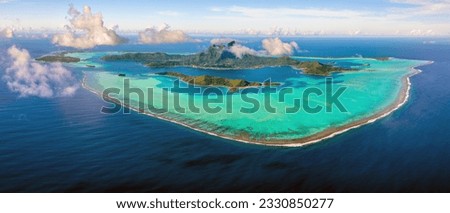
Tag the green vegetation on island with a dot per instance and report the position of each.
(207, 80)
(317, 68)
(58, 58)
(220, 57)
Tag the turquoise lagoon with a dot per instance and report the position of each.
(376, 86)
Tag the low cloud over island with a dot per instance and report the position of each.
(271, 47)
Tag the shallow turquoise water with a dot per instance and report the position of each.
(67, 145)
(372, 88)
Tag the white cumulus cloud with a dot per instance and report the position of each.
(271, 46)
(221, 40)
(419, 32)
(276, 47)
(30, 78)
(91, 28)
(162, 34)
(239, 50)
(7, 33)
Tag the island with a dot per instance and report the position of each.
(58, 58)
(207, 80)
(220, 57)
(389, 77)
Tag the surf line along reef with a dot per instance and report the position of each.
(375, 88)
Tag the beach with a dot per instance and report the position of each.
(401, 99)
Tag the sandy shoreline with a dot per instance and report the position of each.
(402, 98)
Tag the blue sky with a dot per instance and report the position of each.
(303, 17)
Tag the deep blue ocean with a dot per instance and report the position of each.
(67, 145)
